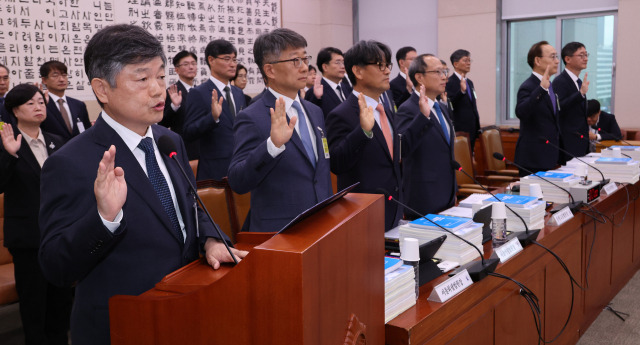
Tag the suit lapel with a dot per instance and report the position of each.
(28, 156)
(53, 111)
(137, 180)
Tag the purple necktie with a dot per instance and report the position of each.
(552, 95)
(468, 89)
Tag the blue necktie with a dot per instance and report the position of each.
(552, 95)
(304, 133)
(468, 89)
(160, 184)
(443, 124)
(1, 100)
(579, 83)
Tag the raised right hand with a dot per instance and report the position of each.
(367, 120)
(425, 109)
(545, 82)
(216, 105)
(175, 95)
(318, 89)
(110, 187)
(463, 84)
(281, 131)
(11, 144)
(409, 84)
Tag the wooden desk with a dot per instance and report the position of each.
(492, 311)
(606, 143)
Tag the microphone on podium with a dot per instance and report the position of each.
(168, 147)
(477, 269)
(602, 183)
(526, 237)
(573, 205)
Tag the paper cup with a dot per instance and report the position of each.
(535, 190)
(498, 211)
(410, 250)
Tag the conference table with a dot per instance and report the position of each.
(601, 248)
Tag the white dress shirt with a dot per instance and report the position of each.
(291, 111)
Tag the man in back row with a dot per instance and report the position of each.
(329, 92)
(66, 116)
(462, 96)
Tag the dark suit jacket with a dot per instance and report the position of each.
(55, 124)
(465, 110)
(346, 86)
(76, 246)
(429, 181)
(573, 116)
(607, 127)
(257, 97)
(5, 116)
(356, 158)
(329, 99)
(537, 120)
(175, 121)
(20, 183)
(216, 139)
(284, 186)
(399, 88)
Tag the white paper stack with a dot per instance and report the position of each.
(621, 170)
(529, 208)
(473, 199)
(549, 191)
(631, 151)
(399, 291)
(453, 249)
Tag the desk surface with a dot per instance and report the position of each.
(480, 313)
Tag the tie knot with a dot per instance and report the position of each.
(60, 100)
(146, 145)
(380, 108)
(436, 106)
(226, 89)
(297, 107)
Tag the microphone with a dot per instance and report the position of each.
(168, 147)
(573, 205)
(525, 238)
(616, 138)
(477, 269)
(602, 183)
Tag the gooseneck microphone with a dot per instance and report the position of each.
(573, 205)
(602, 183)
(168, 147)
(525, 238)
(615, 137)
(477, 269)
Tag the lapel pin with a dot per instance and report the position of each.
(52, 146)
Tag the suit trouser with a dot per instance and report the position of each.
(45, 309)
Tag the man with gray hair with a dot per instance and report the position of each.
(279, 154)
(117, 235)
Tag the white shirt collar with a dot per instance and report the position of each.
(186, 86)
(458, 75)
(538, 75)
(332, 84)
(288, 102)
(573, 76)
(39, 137)
(431, 102)
(130, 138)
(56, 98)
(370, 101)
(403, 75)
(220, 85)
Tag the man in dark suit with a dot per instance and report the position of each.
(537, 109)
(117, 234)
(44, 307)
(363, 138)
(327, 91)
(462, 96)
(427, 139)
(66, 116)
(4, 88)
(211, 111)
(603, 126)
(401, 85)
(175, 106)
(279, 154)
(572, 96)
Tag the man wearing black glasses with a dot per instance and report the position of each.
(363, 141)
(428, 135)
(279, 154)
(572, 96)
(211, 111)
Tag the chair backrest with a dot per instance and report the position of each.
(241, 203)
(5, 256)
(491, 142)
(216, 198)
(462, 153)
(194, 166)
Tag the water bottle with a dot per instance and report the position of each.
(411, 256)
(498, 224)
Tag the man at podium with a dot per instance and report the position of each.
(115, 234)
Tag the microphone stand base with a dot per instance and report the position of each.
(527, 237)
(477, 271)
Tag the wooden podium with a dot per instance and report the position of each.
(320, 282)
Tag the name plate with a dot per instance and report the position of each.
(561, 217)
(610, 188)
(509, 249)
(451, 287)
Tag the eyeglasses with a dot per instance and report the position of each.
(466, 60)
(338, 62)
(382, 66)
(296, 61)
(193, 63)
(552, 56)
(582, 55)
(440, 72)
(227, 59)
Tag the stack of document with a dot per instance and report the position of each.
(549, 191)
(453, 249)
(529, 208)
(399, 288)
(622, 170)
(631, 151)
